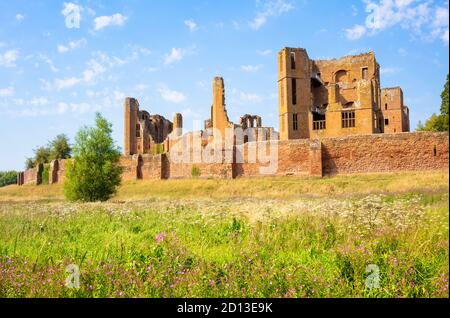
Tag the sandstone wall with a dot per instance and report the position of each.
(385, 152)
(33, 176)
(304, 157)
(152, 166)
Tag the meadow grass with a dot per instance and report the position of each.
(269, 237)
(265, 188)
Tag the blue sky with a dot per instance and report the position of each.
(55, 73)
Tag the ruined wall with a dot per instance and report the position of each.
(178, 170)
(152, 167)
(33, 176)
(304, 157)
(385, 152)
(301, 157)
(129, 165)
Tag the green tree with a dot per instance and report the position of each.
(29, 163)
(438, 122)
(60, 147)
(94, 172)
(42, 155)
(7, 178)
(444, 106)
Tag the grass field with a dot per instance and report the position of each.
(270, 237)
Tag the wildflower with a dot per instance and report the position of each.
(160, 237)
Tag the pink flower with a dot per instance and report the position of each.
(160, 237)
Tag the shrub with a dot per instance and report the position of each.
(94, 172)
(158, 149)
(7, 178)
(60, 147)
(45, 173)
(195, 172)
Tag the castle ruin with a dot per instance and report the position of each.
(332, 98)
(334, 119)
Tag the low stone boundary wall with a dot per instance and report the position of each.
(329, 156)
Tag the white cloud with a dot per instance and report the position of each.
(81, 107)
(151, 69)
(389, 70)
(72, 45)
(444, 37)
(20, 17)
(105, 21)
(141, 87)
(62, 48)
(250, 98)
(271, 9)
(192, 26)
(9, 58)
(264, 53)
(7, 92)
(119, 96)
(49, 62)
(171, 95)
(39, 101)
(93, 70)
(96, 66)
(250, 68)
(402, 52)
(355, 32)
(420, 17)
(91, 12)
(175, 55)
(62, 108)
(66, 82)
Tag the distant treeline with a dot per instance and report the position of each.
(7, 178)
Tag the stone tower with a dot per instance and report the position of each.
(178, 124)
(294, 93)
(131, 124)
(219, 116)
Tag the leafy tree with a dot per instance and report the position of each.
(60, 147)
(29, 163)
(94, 172)
(42, 155)
(444, 106)
(434, 123)
(7, 178)
(438, 122)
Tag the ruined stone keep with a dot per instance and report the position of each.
(338, 97)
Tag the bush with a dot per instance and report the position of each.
(195, 172)
(94, 172)
(45, 173)
(7, 178)
(60, 147)
(158, 149)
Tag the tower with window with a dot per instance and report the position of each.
(294, 93)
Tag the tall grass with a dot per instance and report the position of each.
(232, 246)
(264, 188)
